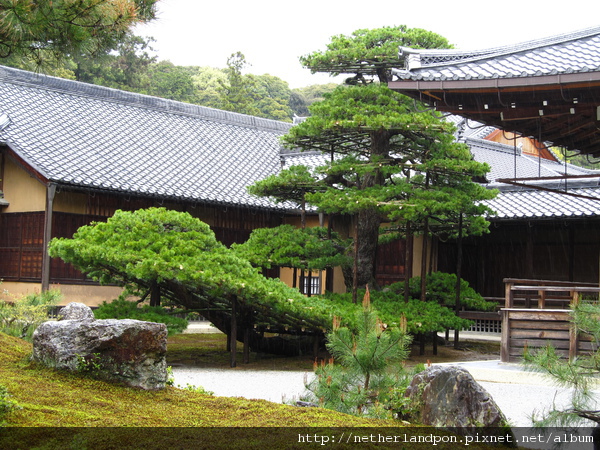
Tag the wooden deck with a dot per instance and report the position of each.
(536, 313)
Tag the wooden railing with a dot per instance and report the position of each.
(536, 313)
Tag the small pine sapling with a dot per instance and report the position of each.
(368, 373)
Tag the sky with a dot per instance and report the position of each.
(273, 34)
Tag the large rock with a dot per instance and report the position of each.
(126, 351)
(449, 397)
(76, 311)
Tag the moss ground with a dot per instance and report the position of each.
(53, 401)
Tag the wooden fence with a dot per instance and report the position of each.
(536, 313)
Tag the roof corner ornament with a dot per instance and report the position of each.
(412, 58)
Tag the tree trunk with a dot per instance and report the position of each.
(367, 235)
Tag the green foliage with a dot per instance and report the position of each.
(370, 51)
(579, 375)
(290, 184)
(47, 29)
(390, 162)
(368, 375)
(125, 309)
(271, 95)
(288, 246)
(236, 92)
(167, 80)
(7, 405)
(21, 317)
(90, 364)
(302, 98)
(441, 288)
(125, 67)
(436, 314)
(257, 95)
(180, 255)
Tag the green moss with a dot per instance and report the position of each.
(52, 400)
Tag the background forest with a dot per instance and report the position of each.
(130, 65)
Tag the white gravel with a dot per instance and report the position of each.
(517, 401)
(274, 385)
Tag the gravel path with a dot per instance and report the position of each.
(518, 401)
(273, 385)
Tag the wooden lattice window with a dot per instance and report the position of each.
(21, 245)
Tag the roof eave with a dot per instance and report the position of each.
(562, 79)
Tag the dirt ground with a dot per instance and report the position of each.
(210, 351)
(468, 350)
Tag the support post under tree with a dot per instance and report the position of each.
(233, 334)
(458, 274)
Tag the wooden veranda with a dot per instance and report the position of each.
(536, 313)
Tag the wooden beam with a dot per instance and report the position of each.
(50, 193)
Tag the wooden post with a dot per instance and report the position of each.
(573, 341)
(508, 294)
(458, 275)
(573, 332)
(246, 345)
(542, 299)
(50, 193)
(505, 337)
(233, 334)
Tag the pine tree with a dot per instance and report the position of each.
(579, 374)
(367, 376)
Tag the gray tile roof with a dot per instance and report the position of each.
(92, 137)
(99, 138)
(576, 52)
(504, 163)
(517, 203)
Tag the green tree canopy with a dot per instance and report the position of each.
(48, 30)
(389, 160)
(287, 246)
(370, 51)
(125, 67)
(167, 80)
(179, 255)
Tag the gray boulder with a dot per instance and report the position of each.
(449, 397)
(76, 311)
(127, 351)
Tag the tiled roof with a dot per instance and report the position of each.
(504, 163)
(92, 137)
(526, 203)
(577, 52)
(99, 138)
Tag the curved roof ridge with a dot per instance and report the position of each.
(441, 57)
(38, 80)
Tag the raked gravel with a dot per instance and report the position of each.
(518, 401)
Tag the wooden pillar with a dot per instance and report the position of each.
(233, 334)
(50, 193)
(459, 249)
(316, 345)
(505, 337)
(246, 345)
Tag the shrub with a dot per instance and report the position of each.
(125, 309)
(367, 377)
(6, 404)
(441, 288)
(21, 317)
